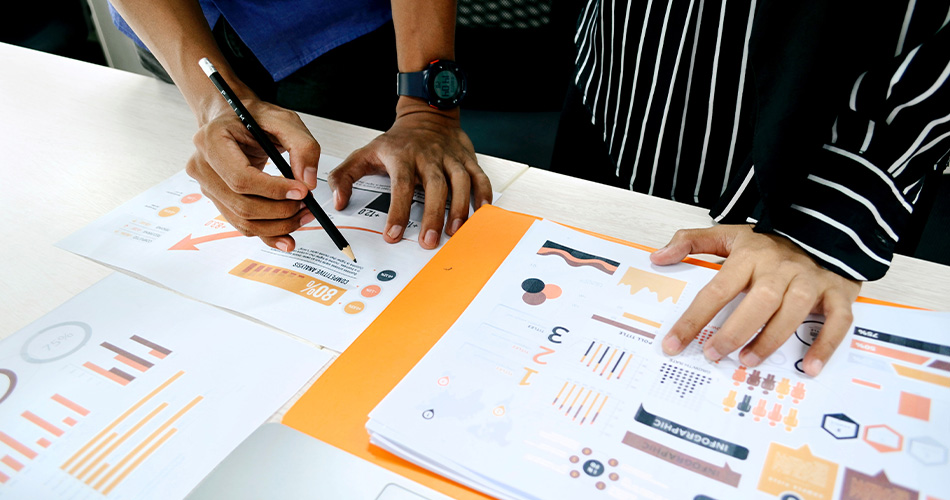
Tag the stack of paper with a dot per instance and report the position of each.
(552, 385)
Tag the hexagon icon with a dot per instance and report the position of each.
(927, 451)
(883, 439)
(840, 426)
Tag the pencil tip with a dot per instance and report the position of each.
(349, 253)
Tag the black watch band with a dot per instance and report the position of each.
(412, 84)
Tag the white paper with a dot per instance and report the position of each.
(565, 393)
(173, 235)
(131, 391)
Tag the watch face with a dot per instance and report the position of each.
(446, 85)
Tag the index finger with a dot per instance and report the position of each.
(231, 164)
(292, 135)
(720, 290)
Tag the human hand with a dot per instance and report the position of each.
(424, 146)
(783, 285)
(228, 165)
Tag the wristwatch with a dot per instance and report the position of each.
(442, 84)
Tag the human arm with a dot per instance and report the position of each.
(228, 161)
(838, 227)
(425, 145)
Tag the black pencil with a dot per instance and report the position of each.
(275, 156)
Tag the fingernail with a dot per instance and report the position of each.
(295, 194)
(481, 204)
(306, 219)
(283, 246)
(712, 354)
(671, 345)
(336, 198)
(814, 368)
(456, 224)
(310, 176)
(432, 237)
(750, 359)
(395, 232)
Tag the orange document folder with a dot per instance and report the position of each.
(336, 408)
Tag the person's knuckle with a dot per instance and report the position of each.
(241, 184)
(716, 290)
(403, 179)
(768, 295)
(801, 295)
(242, 208)
(244, 227)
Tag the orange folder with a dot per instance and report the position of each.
(335, 409)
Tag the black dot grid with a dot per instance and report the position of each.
(685, 381)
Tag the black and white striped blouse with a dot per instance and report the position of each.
(815, 120)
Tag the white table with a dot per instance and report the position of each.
(78, 140)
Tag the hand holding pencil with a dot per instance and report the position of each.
(256, 203)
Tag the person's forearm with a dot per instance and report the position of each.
(176, 32)
(425, 31)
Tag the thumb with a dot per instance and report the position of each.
(352, 169)
(712, 240)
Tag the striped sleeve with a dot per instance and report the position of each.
(860, 192)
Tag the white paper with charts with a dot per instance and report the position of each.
(552, 384)
(173, 235)
(131, 391)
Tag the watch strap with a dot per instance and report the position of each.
(412, 84)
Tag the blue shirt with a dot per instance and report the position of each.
(287, 35)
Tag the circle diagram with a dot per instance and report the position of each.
(536, 292)
(55, 342)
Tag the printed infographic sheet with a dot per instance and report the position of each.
(173, 235)
(552, 384)
(132, 391)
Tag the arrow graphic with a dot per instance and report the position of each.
(189, 243)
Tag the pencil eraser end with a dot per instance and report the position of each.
(206, 66)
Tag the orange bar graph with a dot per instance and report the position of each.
(16, 445)
(156, 350)
(300, 284)
(906, 371)
(43, 424)
(70, 421)
(93, 477)
(4, 478)
(69, 404)
(171, 420)
(890, 353)
(12, 463)
(138, 366)
(139, 461)
(123, 438)
(641, 319)
(624, 367)
(106, 373)
(120, 418)
(607, 364)
(865, 383)
(94, 451)
(43, 442)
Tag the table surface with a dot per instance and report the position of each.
(79, 140)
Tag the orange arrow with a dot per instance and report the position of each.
(189, 243)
